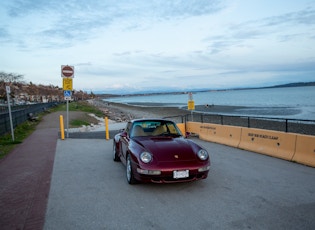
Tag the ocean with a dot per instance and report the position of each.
(289, 102)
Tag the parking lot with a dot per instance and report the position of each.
(244, 190)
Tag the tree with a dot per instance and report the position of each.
(10, 77)
(92, 95)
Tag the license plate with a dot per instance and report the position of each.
(181, 174)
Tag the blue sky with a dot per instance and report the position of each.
(140, 45)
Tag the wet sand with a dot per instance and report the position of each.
(217, 114)
(139, 110)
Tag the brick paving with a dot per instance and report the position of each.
(25, 176)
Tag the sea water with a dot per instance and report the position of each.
(295, 102)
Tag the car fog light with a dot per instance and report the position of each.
(203, 169)
(148, 172)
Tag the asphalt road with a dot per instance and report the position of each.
(244, 190)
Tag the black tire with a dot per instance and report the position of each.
(129, 173)
(115, 153)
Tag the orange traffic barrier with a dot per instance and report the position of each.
(193, 127)
(181, 127)
(287, 146)
(305, 150)
(223, 134)
(272, 143)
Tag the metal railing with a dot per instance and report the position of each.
(20, 114)
(269, 123)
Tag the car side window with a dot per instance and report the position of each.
(172, 129)
(128, 126)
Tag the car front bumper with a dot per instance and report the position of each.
(167, 176)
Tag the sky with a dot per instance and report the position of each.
(130, 46)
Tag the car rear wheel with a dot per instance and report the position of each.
(130, 177)
(115, 153)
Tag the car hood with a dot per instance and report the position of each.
(169, 149)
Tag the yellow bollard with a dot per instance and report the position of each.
(106, 128)
(62, 129)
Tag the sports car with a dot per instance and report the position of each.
(154, 150)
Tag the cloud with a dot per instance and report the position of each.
(83, 64)
(4, 34)
(20, 8)
(156, 43)
(302, 17)
(170, 9)
(78, 19)
(280, 26)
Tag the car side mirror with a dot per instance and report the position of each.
(124, 133)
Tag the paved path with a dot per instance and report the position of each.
(25, 176)
(244, 190)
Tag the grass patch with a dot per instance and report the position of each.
(82, 106)
(20, 133)
(83, 119)
(23, 130)
(78, 123)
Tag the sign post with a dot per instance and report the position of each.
(191, 105)
(8, 90)
(67, 73)
(67, 83)
(67, 118)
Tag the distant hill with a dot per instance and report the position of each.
(296, 84)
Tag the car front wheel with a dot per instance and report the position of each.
(130, 177)
(115, 153)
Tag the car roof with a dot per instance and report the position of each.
(150, 119)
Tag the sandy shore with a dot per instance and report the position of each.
(124, 112)
(141, 110)
(209, 113)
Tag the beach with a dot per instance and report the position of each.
(125, 112)
(207, 113)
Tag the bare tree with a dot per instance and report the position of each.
(10, 77)
(31, 91)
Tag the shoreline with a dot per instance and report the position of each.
(170, 109)
(124, 112)
(158, 110)
(218, 114)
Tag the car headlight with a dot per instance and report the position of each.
(203, 154)
(146, 157)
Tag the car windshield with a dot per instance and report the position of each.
(154, 128)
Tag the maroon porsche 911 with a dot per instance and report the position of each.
(154, 150)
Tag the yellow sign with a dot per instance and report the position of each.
(67, 83)
(191, 105)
